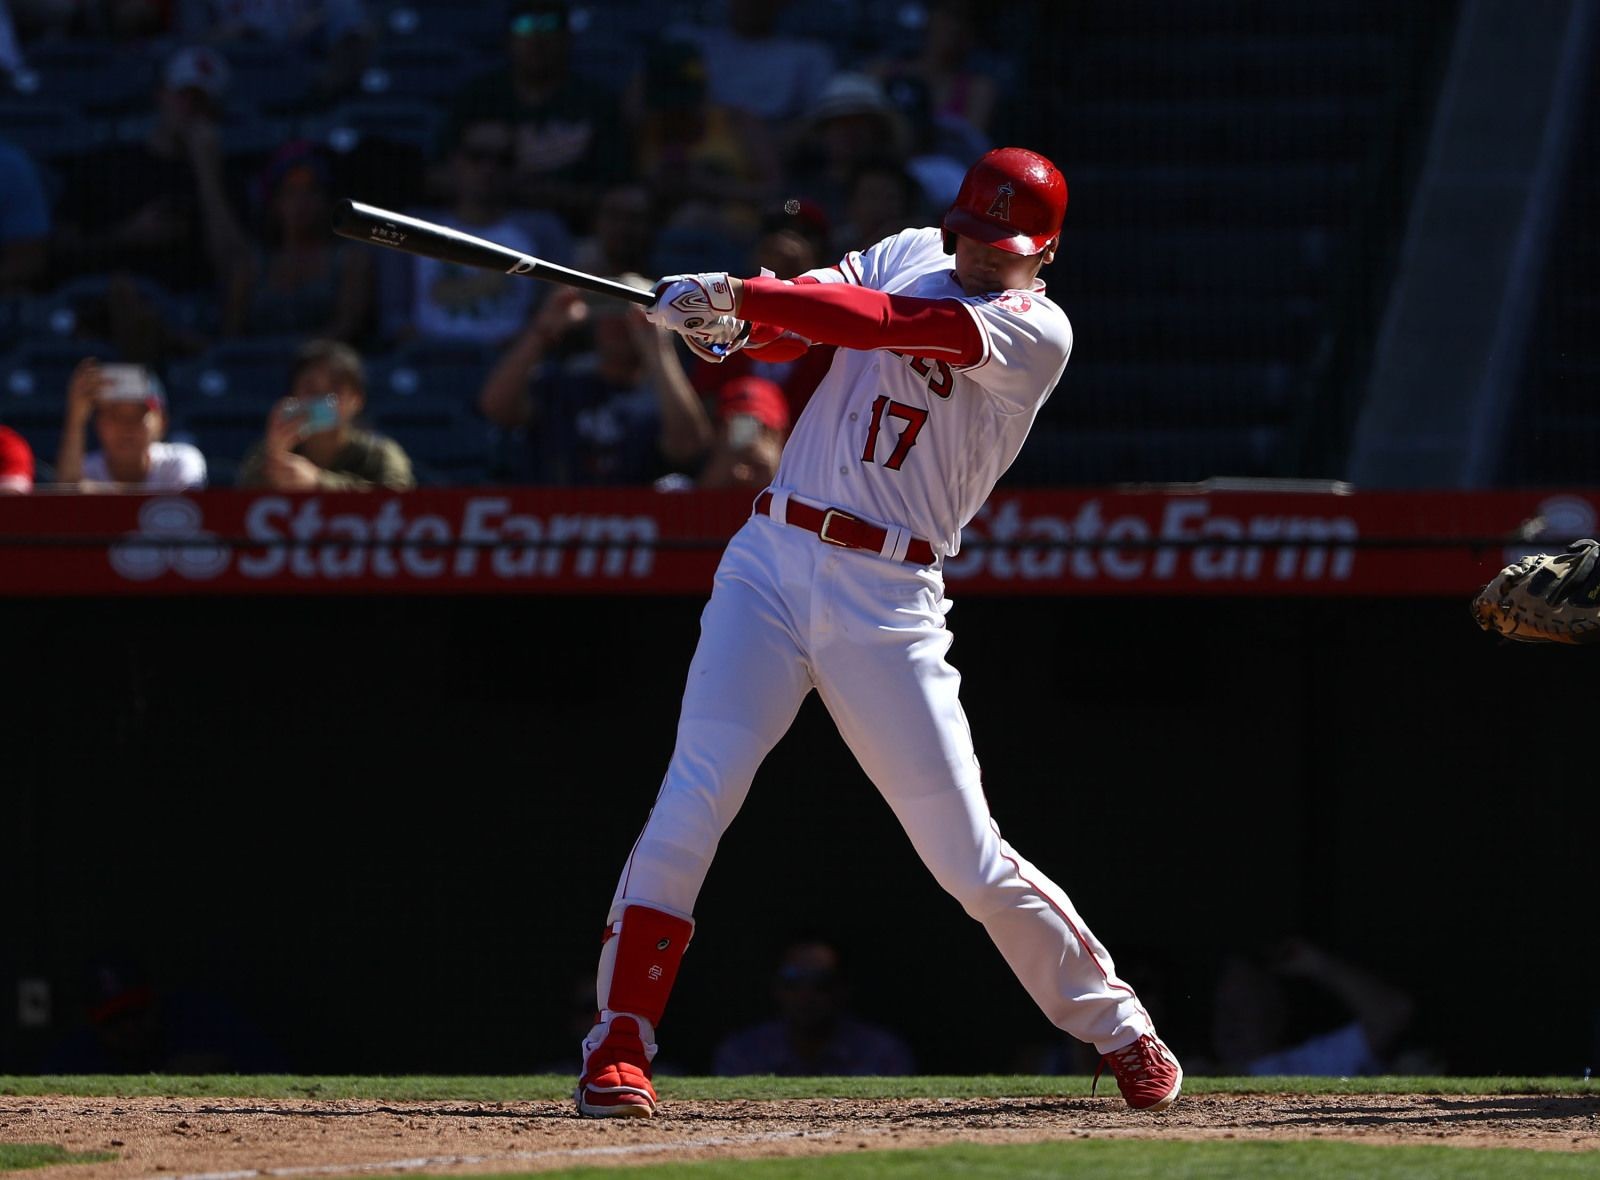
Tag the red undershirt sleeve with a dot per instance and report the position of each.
(859, 317)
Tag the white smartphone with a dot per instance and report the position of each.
(125, 383)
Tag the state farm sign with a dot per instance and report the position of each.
(1164, 541)
(302, 539)
(1180, 541)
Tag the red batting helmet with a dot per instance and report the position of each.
(1012, 199)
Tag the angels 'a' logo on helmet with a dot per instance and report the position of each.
(1000, 207)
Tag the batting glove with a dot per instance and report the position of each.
(689, 303)
(723, 337)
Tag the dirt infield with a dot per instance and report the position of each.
(239, 1138)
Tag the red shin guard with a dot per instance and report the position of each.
(650, 946)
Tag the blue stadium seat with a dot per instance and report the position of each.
(33, 388)
(479, 26)
(88, 75)
(396, 118)
(61, 312)
(419, 68)
(248, 373)
(37, 370)
(445, 443)
(424, 369)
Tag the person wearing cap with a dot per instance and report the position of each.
(947, 346)
(16, 463)
(752, 422)
(590, 394)
(130, 415)
(163, 208)
(852, 125)
(814, 1033)
(336, 35)
(569, 142)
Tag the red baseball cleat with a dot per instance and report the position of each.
(1147, 1073)
(616, 1074)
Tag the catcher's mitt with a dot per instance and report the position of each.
(1545, 598)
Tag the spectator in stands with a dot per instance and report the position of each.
(160, 208)
(312, 441)
(570, 143)
(794, 239)
(16, 463)
(939, 153)
(24, 221)
(450, 302)
(883, 199)
(1257, 1024)
(125, 1021)
(752, 423)
(620, 412)
(852, 125)
(962, 95)
(130, 416)
(334, 33)
(814, 1034)
(624, 232)
(303, 280)
(706, 163)
(752, 67)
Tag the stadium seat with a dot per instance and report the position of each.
(445, 443)
(419, 68)
(249, 372)
(33, 387)
(88, 75)
(479, 26)
(453, 370)
(62, 312)
(395, 117)
(37, 370)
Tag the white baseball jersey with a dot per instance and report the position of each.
(914, 441)
(910, 444)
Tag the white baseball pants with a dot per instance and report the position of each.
(790, 613)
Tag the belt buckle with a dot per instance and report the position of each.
(827, 521)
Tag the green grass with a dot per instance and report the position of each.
(1129, 1159)
(15, 1156)
(557, 1087)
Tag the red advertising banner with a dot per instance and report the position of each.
(1183, 540)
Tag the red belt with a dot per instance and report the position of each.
(838, 527)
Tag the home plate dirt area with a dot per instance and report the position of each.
(234, 1139)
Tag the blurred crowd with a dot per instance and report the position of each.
(175, 312)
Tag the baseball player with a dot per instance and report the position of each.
(947, 347)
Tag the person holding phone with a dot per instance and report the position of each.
(129, 409)
(312, 441)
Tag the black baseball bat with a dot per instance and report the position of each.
(368, 223)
